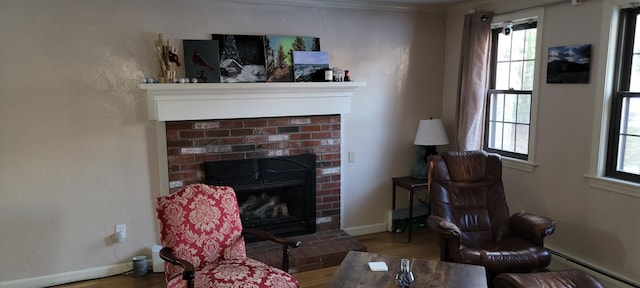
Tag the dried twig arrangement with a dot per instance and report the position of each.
(167, 56)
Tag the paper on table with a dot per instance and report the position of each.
(378, 266)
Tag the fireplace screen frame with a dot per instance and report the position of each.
(285, 176)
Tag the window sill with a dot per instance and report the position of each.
(614, 185)
(518, 164)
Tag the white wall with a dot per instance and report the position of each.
(596, 226)
(78, 155)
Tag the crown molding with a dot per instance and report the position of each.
(468, 5)
(471, 5)
(381, 5)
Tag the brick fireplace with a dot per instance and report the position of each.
(197, 123)
(192, 143)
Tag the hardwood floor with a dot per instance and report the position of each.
(423, 245)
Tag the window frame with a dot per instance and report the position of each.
(506, 153)
(603, 94)
(620, 91)
(510, 160)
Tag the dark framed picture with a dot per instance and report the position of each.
(241, 58)
(278, 51)
(569, 64)
(201, 60)
(309, 65)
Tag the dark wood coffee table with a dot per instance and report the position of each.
(354, 272)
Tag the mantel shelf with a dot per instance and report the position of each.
(176, 102)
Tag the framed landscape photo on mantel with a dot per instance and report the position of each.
(569, 64)
(278, 52)
(308, 65)
(241, 58)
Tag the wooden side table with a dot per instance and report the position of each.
(412, 185)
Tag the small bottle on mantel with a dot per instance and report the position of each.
(347, 78)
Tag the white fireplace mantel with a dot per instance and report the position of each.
(204, 101)
(176, 102)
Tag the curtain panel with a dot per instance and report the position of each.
(474, 76)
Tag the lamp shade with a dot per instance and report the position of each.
(431, 133)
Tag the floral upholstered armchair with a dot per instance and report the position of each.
(202, 241)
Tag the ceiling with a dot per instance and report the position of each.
(396, 5)
(422, 2)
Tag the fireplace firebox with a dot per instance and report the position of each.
(275, 194)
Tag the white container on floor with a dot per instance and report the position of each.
(158, 263)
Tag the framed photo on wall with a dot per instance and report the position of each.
(569, 64)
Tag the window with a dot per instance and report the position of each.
(511, 84)
(623, 149)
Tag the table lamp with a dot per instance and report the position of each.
(430, 133)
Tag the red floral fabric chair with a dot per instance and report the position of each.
(201, 235)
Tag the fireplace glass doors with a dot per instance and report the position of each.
(274, 194)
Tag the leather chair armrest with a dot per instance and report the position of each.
(445, 228)
(532, 227)
(189, 271)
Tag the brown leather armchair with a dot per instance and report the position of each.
(566, 278)
(470, 213)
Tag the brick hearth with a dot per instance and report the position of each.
(320, 250)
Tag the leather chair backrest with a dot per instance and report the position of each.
(466, 189)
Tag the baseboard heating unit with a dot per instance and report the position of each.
(561, 261)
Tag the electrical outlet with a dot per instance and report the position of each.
(121, 232)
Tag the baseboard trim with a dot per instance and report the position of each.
(68, 277)
(560, 261)
(366, 229)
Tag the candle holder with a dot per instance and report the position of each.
(405, 276)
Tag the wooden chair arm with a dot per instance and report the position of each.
(266, 235)
(189, 272)
(286, 244)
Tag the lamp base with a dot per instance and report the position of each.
(419, 168)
